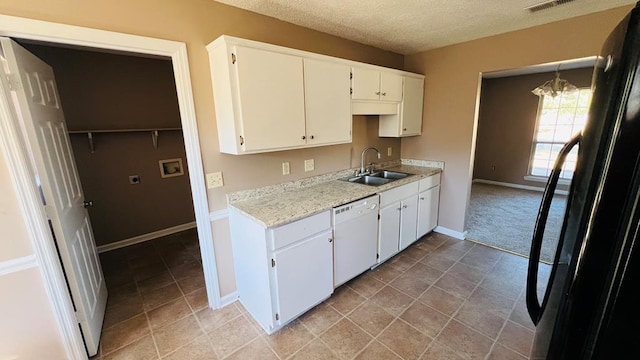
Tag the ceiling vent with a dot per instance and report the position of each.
(546, 5)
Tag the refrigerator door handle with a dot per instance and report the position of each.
(533, 305)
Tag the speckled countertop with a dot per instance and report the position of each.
(286, 206)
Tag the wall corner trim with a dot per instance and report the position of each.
(18, 264)
(449, 232)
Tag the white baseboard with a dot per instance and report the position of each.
(219, 214)
(228, 299)
(18, 264)
(449, 232)
(517, 186)
(146, 237)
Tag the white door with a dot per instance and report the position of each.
(412, 107)
(408, 221)
(428, 210)
(390, 86)
(327, 102)
(304, 275)
(365, 84)
(271, 90)
(35, 95)
(389, 231)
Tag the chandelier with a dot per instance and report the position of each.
(554, 87)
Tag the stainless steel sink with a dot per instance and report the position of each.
(388, 174)
(368, 180)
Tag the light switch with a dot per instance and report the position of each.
(286, 170)
(214, 180)
(309, 165)
(389, 151)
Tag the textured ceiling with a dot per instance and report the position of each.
(411, 26)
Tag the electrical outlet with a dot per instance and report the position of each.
(134, 179)
(389, 151)
(286, 170)
(309, 165)
(214, 180)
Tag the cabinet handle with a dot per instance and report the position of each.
(405, 129)
(399, 209)
(421, 198)
(303, 137)
(311, 137)
(384, 94)
(241, 141)
(377, 92)
(330, 239)
(404, 206)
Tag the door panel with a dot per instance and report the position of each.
(428, 210)
(389, 231)
(304, 275)
(42, 120)
(408, 221)
(390, 86)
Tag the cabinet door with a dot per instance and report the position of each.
(408, 221)
(390, 86)
(327, 102)
(271, 99)
(365, 84)
(428, 202)
(411, 109)
(304, 275)
(389, 231)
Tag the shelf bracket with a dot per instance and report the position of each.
(91, 146)
(154, 138)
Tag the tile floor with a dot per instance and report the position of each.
(441, 298)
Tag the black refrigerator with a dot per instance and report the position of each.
(591, 305)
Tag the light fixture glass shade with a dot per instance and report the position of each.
(554, 87)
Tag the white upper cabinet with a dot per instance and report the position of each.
(408, 120)
(271, 90)
(272, 98)
(327, 102)
(372, 84)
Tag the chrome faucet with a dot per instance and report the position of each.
(363, 169)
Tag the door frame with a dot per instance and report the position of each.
(22, 173)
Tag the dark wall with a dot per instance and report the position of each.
(102, 91)
(506, 124)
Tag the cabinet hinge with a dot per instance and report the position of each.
(350, 75)
(377, 256)
(241, 141)
(273, 263)
(350, 91)
(277, 316)
(233, 58)
(14, 81)
(378, 216)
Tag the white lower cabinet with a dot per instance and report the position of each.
(398, 220)
(302, 277)
(428, 202)
(284, 271)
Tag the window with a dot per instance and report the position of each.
(559, 118)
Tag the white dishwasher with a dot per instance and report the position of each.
(355, 234)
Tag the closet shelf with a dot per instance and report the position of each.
(153, 131)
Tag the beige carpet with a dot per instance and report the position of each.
(504, 218)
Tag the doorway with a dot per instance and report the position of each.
(18, 161)
(505, 196)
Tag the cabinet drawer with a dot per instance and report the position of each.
(399, 193)
(429, 182)
(298, 230)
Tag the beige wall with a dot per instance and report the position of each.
(27, 327)
(507, 122)
(196, 23)
(451, 93)
(101, 91)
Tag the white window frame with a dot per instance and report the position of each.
(538, 178)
